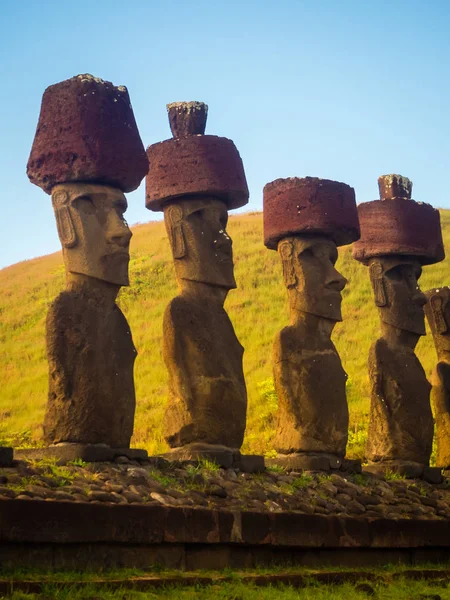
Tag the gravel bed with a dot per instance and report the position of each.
(205, 485)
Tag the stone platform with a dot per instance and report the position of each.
(64, 453)
(409, 470)
(68, 535)
(309, 461)
(224, 457)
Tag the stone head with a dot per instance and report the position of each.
(397, 294)
(437, 311)
(310, 275)
(94, 234)
(200, 244)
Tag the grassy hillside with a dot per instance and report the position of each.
(258, 309)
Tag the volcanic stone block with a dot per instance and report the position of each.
(197, 165)
(87, 132)
(398, 235)
(305, 220)
(437, 311)
(91, 355)
(309, 206)
(207, 393)
(65, 453)
(195, 179)
(394, 186)
(400, 400)
(187, 118)
(397, 225)
(225, 457)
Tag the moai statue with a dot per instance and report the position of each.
(398, 237)
(195, 179)
(437, 311)
(306, 220)
(86, 153)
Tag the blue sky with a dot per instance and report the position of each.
(345, 90)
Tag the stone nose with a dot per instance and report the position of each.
(420, 298)
(335, 280)
(118, 231)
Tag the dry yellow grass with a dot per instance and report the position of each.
(258, 309)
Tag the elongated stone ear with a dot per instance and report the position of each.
(286, 251)
(438, 314)
(377, 280)
(173, 216)
(64, 223)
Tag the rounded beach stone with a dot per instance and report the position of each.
(399, 226)
(205, 165)
(309, 206)
(87, 132)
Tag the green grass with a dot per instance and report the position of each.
(395, 582)
(258, 309)
(236, 589)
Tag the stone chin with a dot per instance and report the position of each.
(412, 321)
(328, 307)
(112, 268)
(227, 282)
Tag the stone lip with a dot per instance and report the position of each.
(70, 523)
(223, 456)
(64, 453)
(308, 206)
(399, 227)
(196, 165)
(87, 132)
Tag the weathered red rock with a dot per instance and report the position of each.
(187, 118)
(398, 225)
(204, 165)
(394, 186)
(87, 132)
(309, 206)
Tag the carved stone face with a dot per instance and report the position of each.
(313, 282)
(200, 244)
(397, 293)
(93, 232)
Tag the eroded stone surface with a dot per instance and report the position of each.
(437, 311)
(304, 219)
(309, 206)
(87, 132)
(207, 393)
(397, 225)
(195, 486)
(399, 401)
(90, 351)
(398, 235)
(187, 118)
(194, 164)
(195, 179)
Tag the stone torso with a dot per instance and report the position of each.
(207, 393)
(91, 357)
(401, 423)
(310, 385)
(440, 397)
